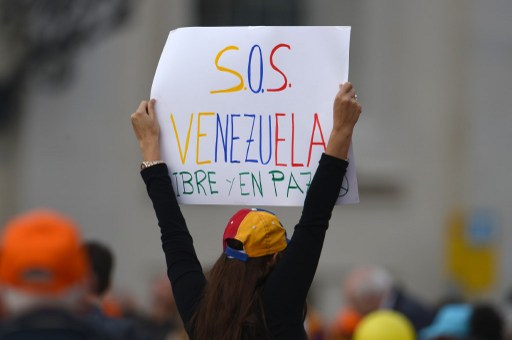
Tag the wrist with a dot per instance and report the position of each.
(150, 151)
(151, 156)
(147, 164)
(339, 145)
(342, 132)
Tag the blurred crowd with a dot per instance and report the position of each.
(55, 285)
(378, 308)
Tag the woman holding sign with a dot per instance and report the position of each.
(258, 287)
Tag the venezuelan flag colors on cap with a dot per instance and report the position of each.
(258, 230)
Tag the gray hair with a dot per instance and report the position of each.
(377, 280)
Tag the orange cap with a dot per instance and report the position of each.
(41, 252)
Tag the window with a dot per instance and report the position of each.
(249, 12)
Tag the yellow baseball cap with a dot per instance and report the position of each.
(260, 232)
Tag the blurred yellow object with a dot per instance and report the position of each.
(471, 263)
(384, 325)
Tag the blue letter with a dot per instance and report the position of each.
(224, 138)
(233, 138)
(250, 140)
(269, 140)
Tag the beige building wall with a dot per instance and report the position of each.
(422, 146)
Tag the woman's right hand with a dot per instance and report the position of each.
(346, 112)
(147, 130)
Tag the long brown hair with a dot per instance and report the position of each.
(231, 307)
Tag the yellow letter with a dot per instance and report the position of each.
(183, 157)
(199, 135)
(235, 88)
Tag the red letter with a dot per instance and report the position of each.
(277, 136)
(293, 143)
(311, 143)
(285, 80)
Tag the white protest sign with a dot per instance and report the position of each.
(246, 112)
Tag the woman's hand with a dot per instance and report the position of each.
(346, 111)
(146, 128)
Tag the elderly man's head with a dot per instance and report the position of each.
(366, 288)
(42, 262)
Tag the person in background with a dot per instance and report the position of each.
(507, 314)
(162, 321)
(44, 273)
(486, 323)
(370, 288)
(345, 324)
(102, 263)
(314, 325)
(451, 323)
(257, 289)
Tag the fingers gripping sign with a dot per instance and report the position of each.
(147, 130)
(346, 111)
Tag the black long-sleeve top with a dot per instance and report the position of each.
(287, 286)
